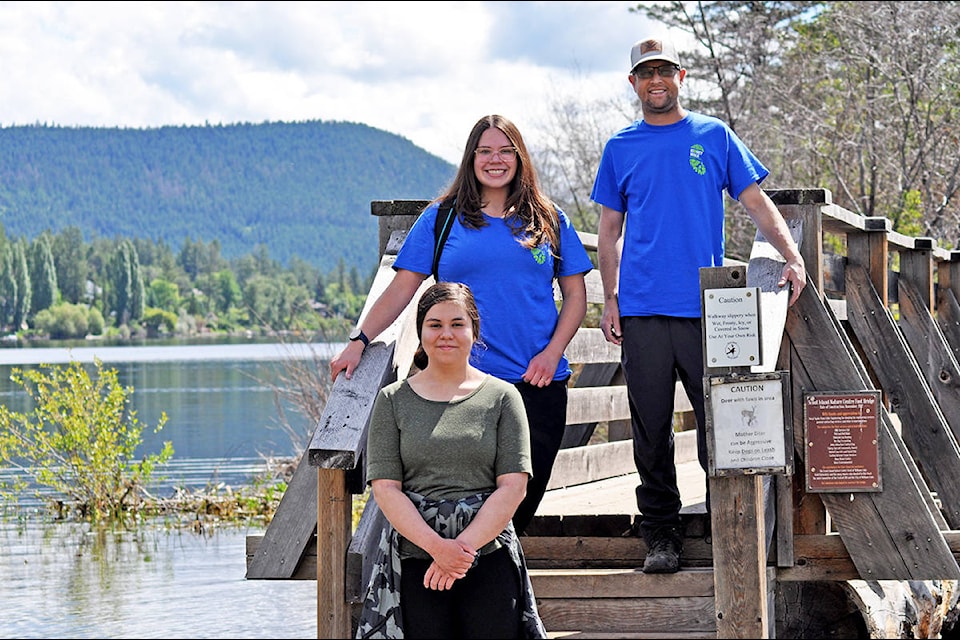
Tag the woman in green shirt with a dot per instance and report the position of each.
(448, 458)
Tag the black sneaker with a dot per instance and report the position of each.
(663, 551)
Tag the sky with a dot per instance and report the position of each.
(426, 71)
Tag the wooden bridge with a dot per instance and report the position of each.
(777, 560)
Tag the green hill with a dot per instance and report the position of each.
(299, 189)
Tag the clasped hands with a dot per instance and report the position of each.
(450, 563)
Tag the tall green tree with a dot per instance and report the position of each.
(43, 275)
(70, 260)
(228, 293)
(163, 294)
(8, 287)
(126, 290)
(21, 275)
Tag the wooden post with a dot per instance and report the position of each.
(334, 510)
(737, 520)
(739, 557)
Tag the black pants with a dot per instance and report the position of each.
(485, 603)
(656, 352)
(546, 409)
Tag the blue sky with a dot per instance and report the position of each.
(424, 70)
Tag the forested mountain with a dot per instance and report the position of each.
(298, 189)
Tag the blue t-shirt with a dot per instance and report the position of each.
(513, 286)
(669, 182)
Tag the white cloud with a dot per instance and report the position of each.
(426, 71)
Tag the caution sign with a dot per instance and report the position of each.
(842, 444)
(731, 323)
(748, 430)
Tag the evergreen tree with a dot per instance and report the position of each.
(8, 287)
(21, 274)
(227, 292)
(70, 260)
(138, 296)
(43, 275)
(126, 291)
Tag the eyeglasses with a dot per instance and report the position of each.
(665, 70)
(505, 153)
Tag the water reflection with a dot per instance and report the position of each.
(69, 580)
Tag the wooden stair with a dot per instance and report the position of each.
(626, 603)
(589, 584)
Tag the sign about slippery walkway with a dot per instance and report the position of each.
(731, 323)
(748, 430)
(840, 431)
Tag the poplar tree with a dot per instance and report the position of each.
(69, 258)
(126, 290)
(21, 275)
(43, 275)
(8, 287)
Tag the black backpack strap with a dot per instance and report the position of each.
(441, 231)
(559, 255)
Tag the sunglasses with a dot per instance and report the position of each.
(665, 71)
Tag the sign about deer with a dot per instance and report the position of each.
(747, 428)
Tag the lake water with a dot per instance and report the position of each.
(67, 580)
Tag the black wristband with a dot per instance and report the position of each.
(358, 334)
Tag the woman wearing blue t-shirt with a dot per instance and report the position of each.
(502, 245)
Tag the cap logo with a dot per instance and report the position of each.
(650, 45)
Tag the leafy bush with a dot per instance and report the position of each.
(65, 320)
(159, 321)
(79, 440)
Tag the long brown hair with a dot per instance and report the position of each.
(455, 292)
(532, 216)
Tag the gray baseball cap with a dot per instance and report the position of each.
(653, 48)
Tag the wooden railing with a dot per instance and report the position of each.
(845, 333)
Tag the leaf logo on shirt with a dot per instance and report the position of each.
(539, 255)
(696, 151)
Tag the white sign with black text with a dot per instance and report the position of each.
(747, 423)
(731, 322)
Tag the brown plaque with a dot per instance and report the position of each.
(842, 449)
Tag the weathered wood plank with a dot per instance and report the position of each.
(340, 435)
(588, 346)
(878, 551)
(925, 430)
(665, 615)
(933, 355)
(592, 375)
(334, 512)
(597, 404)
(594, 287)
(607, 552)
(619, 583)
(279, 555)
(362, 551)
(820, 558)
(736, 504)
(580, 465)
(948, 317)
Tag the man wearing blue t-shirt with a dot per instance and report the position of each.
(660, 185)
